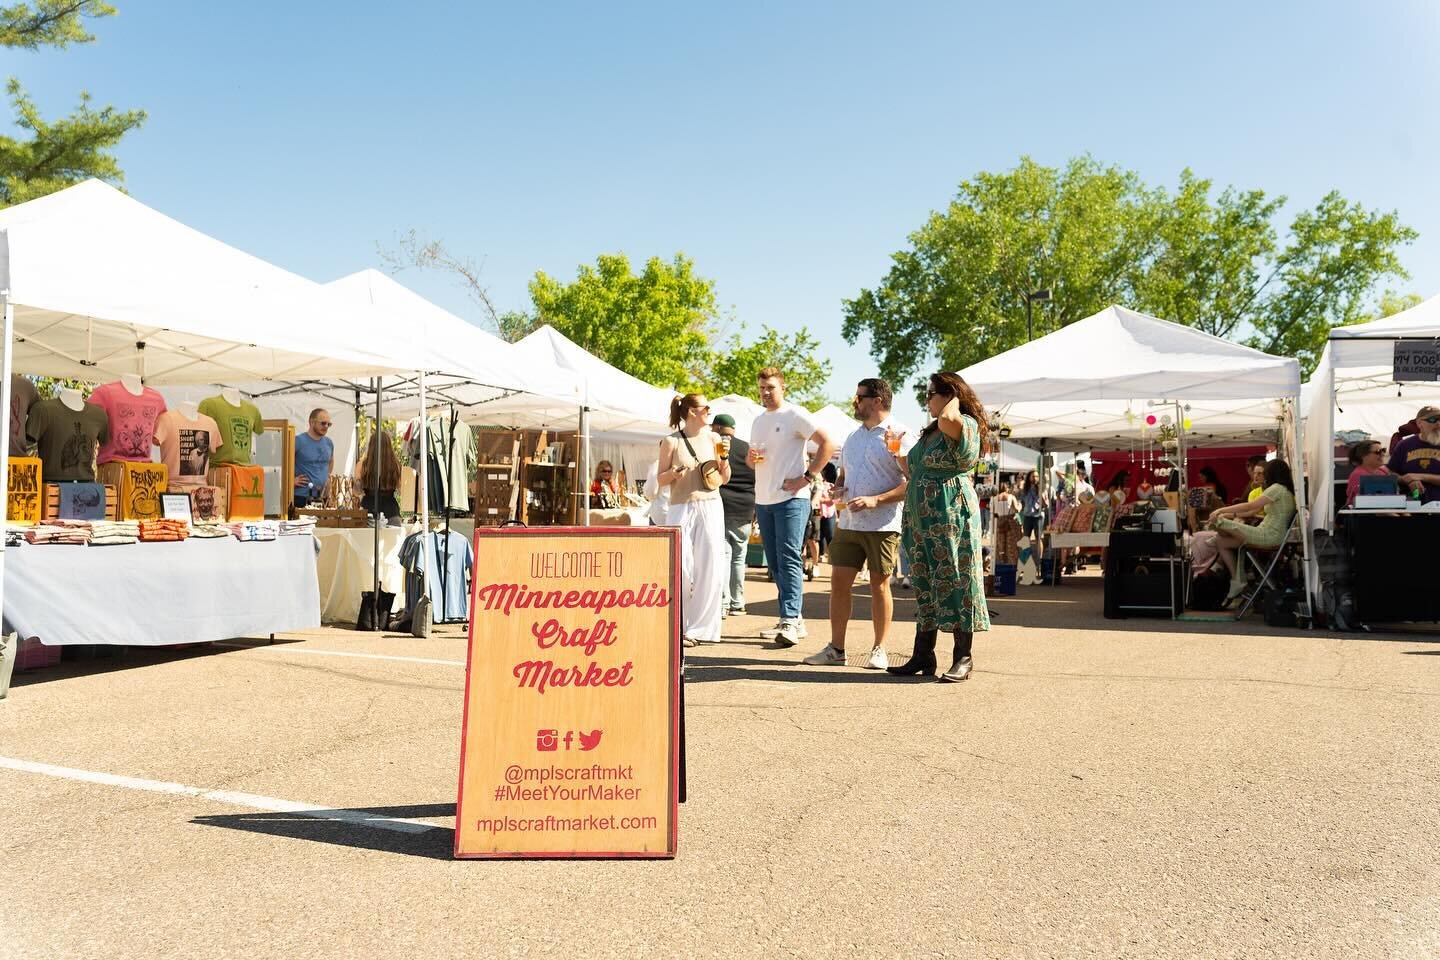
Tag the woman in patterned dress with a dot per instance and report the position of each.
(941, 528)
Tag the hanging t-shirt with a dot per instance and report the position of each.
(132, 421)
(784, 433)
(23, 396)
(312, 458)
(186, 445)
(66, 439)
(449, 591)
(237, 426)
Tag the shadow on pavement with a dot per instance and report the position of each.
(437, 843)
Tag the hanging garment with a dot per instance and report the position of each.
(449, 574)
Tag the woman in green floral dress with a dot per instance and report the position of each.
(941, 529)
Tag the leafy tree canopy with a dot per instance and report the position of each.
(732, 367)
(1096, 235)
(654, 324)
(51, 155)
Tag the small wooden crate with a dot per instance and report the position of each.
(52, 502)
(328, 517)
(140, 486)
(25, 491)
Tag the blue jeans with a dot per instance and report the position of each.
(782, 528)
(737, 540)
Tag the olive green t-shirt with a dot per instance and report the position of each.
(237, 425)
(66, 439)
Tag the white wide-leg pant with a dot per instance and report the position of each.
(702, 565)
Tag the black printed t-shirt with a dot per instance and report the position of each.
(66, 439)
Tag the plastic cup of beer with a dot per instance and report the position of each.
(759, 449)
(722, 447)
(892, 441)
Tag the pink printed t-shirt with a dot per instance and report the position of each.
(132, 421)
(186, 445)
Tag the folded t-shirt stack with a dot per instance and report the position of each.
(209, 531)
(255, 530)
(297, 528)
(153, 531)
(58, 533)
(106, 532)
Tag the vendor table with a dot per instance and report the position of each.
(1079, 539)
(346, 565)
(150, 594)
(1390, 572)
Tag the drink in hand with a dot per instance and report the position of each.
(759, 449)
(722, 447)
(892, 441)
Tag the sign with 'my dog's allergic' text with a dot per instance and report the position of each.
(570, 741)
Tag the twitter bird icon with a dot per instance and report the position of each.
(591, 740)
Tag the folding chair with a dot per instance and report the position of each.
(1267, 572)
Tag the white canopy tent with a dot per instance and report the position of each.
(1091, 384)
(1354, 388)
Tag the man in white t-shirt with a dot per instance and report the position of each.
(782, 493)
(869, 521)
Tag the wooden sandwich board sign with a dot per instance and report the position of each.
(570, 738)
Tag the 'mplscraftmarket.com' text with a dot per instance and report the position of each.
(591, 791)
(551, 824)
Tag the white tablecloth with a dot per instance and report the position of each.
(148, 594)
(346, 565)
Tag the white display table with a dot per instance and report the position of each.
(151, 594)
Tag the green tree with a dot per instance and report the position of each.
(1096, 235)
(732, 367)
(654, 325)
(53, 154)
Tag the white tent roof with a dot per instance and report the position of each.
(1119, 354)
(743, 409)
(619, 402)
(1354, 388)
(103, 285)
(469, 366)
(1090, 385)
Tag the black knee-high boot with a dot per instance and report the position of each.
(922, 660)
(960, 669)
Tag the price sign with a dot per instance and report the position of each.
(1417, 360)
(570, 739)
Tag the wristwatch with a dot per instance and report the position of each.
(811, 476)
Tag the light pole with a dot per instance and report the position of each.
(1043, 295)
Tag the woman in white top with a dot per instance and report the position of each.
(698, 513)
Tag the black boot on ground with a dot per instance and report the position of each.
(960, 669)
(922, 660)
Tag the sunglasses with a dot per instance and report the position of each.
(322, 423)
(935, 393)
(864, 396)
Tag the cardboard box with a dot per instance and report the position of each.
(140, 486)
(111, 507)
(24, 502)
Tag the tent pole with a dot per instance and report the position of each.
(5, 401)
(1302, 505)
(582, 484)
(422, 485)
(379, 383)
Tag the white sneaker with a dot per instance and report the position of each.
(769, 633)
(788, 635)
(878, 659)
(827, 657)
(689, 642)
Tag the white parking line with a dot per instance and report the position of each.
(229, 797)
(342, 653)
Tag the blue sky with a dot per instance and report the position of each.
(788, 148)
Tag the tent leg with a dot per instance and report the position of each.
(582, 485)
(379, 514)
(422, 484)
(5, 400)
(1302, 505)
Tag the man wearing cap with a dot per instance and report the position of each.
(738, 498)
(1416, 458)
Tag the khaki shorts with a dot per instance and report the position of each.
(856, 549)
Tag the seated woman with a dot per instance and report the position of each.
(1369, 460)
(1278, 503)
(604, 493)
